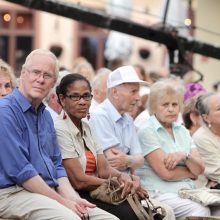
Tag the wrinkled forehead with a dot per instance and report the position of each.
(168, 97)
(42, 62)
(214, 101)
(40, 59)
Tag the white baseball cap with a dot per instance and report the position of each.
(124, 74)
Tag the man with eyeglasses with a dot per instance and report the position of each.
(33, 182)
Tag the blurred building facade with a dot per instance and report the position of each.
(22, 30)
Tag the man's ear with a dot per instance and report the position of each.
(114, 92)
(22, 73)
(54, 83)
(53, 96)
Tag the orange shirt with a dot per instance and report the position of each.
(91, 163)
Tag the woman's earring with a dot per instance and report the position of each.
(88, 116)
(209, 125)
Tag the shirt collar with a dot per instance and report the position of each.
(159, 126)
(71, 125)
(115, 115)
(24, 102)
(113, 111)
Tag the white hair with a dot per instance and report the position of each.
(42, 52)
(98, 79)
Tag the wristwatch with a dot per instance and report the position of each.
(187, 158)
(129, 161)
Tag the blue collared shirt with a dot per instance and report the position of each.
(114, 129)
(28, 145)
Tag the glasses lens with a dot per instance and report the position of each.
(78, 97)
(75, 97)
(87, 97)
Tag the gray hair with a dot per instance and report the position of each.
(7, 70)
(42, 52)
(84, 64)
(202, 104)
(98, 79)
(163, 88)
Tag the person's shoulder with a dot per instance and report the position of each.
(86, 126)
(60, 121)
(47, 113)
(180, 126)
(100, 110)
(148, 126)
(200, 133)
(7, 104)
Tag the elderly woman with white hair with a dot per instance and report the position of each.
(207, 137)
(7, 79)
(171, 159)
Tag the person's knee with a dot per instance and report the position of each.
(199, 210)
(99, 214)
(205, 211)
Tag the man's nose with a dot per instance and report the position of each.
(138, 97)
(41, 78)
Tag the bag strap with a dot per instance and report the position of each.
(147, 213)
(139, 209)
(114, 197)
(135, 208)
(154, 209)
(113, 192)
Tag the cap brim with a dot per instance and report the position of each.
(141, 82)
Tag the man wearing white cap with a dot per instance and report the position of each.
(113, 126)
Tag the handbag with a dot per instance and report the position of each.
(110, 192)
(146, 211)
(204, 196)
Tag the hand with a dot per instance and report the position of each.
(211, 184)
(171, 160)
(119, 160)
(126, 184)
(78, 206)
(142, 193)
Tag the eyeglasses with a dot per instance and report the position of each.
(86, 97)
(38, 73)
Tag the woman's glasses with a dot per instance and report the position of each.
(86, 97)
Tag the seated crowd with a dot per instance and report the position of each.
(56, 148)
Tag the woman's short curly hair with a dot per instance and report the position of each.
(163, 88)
(7, 71)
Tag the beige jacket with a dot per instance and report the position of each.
(71, 140)
(208, 145)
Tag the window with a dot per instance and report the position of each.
(91, 44)
(16, 35)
